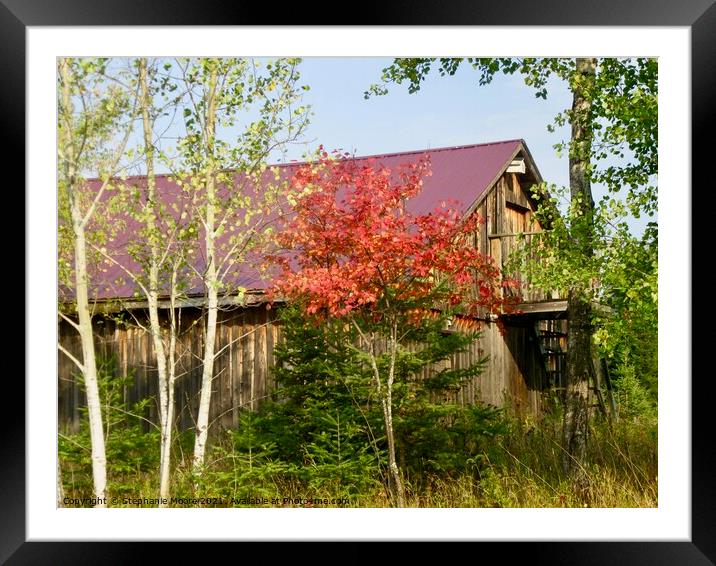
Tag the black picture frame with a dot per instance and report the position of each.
(698, 15)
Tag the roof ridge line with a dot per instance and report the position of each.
(370, 156)
(444, 148)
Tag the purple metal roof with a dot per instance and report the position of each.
(462, 174)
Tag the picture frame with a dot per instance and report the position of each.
(699, 16)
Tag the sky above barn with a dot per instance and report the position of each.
(447, 111)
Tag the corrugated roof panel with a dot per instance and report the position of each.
(461, 173)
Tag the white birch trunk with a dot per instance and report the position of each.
(165, 471)
(166, 398)
(166, 428)
(60, 487)
(211, 281)
(89, 364)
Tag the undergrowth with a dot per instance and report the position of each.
(522, 468)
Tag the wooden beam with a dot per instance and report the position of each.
(517, 204)
(554, 306)
(510, 234)
(248, 300)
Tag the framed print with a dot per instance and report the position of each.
(677, 530)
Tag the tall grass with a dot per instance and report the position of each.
(522, 468)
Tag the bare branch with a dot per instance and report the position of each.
(242, 336)
(133, 415)
(134, 276)
(68, 439)
(69, 321)
(62, 349)
(115, 162)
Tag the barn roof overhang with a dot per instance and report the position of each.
(532, 173)
(251, 298)
(539, 310)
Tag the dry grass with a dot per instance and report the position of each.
(522, 470)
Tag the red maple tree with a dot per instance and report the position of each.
(352, 245)
(351, 250)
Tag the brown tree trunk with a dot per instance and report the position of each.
(576, 416)
(387, 402)
(579, 333)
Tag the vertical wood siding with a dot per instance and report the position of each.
(243, 377)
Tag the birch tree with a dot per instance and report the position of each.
(153, 245)
(90, 113)
(228, 172)
(163, 251)
(160, 250)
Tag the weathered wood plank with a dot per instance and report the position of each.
(224, 376)
(545, 307)
(243, 370)
(248, 365)
(236, 357)
(261, 358)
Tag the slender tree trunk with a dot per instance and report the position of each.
(165, 471)
(387, 404)
(211, 279)
(154, 238)
(166, 426)
(579, 333)
(167, 429)
(610, 393)
(94, 403)
(89, 364)
(397, 492)
(60, 487)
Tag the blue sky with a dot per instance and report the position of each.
(447, 111)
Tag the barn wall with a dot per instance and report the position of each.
(243, 377)
(507, 212)
(244, 342)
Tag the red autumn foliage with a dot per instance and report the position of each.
(352, 244)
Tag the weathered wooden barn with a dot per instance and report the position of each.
(491, 179)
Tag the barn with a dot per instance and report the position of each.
(526, 359)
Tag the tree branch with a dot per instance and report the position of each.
(69, 321)
(62, 349)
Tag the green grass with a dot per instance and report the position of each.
(521, 469)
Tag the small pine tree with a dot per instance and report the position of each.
(320, 416)
(325, 419)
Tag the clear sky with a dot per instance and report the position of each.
(447, 111)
